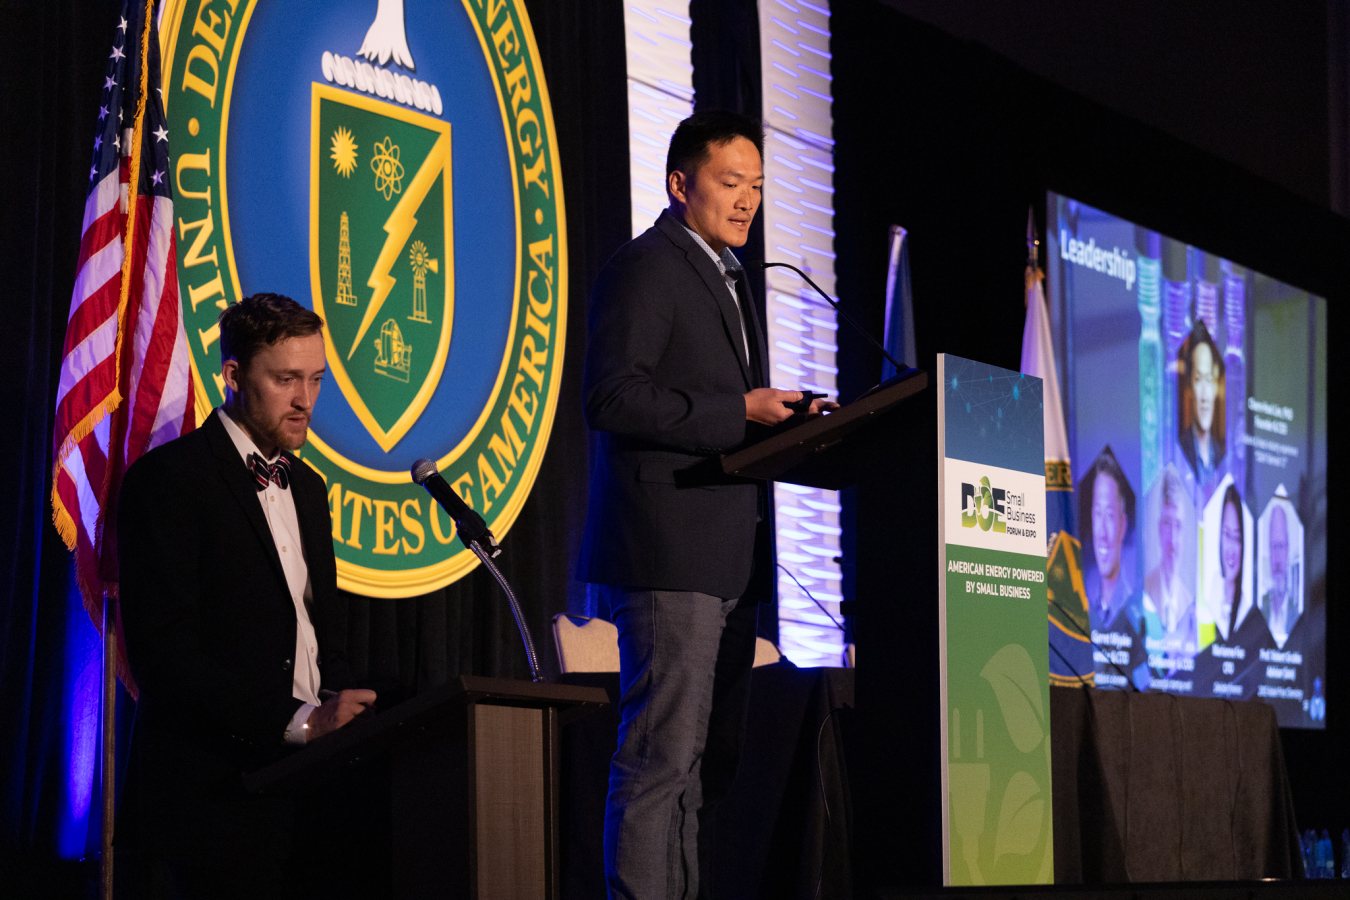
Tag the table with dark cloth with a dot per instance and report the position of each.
(1147, 788)
(1154, 787)
(781, 832)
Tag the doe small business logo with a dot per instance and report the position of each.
(982, 505)
(393, 165)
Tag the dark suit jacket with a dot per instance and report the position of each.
(665, 374)
(210, 634)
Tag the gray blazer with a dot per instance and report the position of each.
(665, 373)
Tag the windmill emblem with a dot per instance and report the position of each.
(417, 256)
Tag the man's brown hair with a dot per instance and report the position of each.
(261, 320)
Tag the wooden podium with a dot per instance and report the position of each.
(473, 784)
(886, 445)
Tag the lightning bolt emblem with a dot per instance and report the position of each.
(399, 227)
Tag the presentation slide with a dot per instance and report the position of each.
(1195, 400)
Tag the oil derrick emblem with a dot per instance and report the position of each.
(344, 279)
(420, 265)
(393, 358)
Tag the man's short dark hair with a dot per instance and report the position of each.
(694, 138)
(261, 320)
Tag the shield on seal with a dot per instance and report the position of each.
(381, 253)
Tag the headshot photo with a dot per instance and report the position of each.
(1280, 566)
(1106, 509)
(1227, 576)
(1201, 429)
(1170, 561)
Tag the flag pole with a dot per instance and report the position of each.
(1033, 242)
(109, 744)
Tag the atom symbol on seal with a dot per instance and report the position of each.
(388, 170)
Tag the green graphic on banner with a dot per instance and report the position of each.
(996, 690)
(998, 706)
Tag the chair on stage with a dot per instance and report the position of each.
(586, 645)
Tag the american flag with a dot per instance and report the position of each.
(126, 382)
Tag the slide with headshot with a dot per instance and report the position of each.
(1194, 393)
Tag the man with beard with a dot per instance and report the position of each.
(1278, 604)
(228, 599)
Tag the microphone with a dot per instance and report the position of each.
(472, 528)
(473, 531)
(903, 371)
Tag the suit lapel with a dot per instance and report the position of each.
(759, 353)
(240, 483)
(714, 281)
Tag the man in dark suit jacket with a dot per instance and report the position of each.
(676, 373)
(230, 610)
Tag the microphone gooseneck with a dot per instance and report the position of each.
(899, 367)
(531, 656)
(473, 531)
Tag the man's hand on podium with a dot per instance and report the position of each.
(338, 710)
(765, 405)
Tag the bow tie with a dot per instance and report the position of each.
(263, 472)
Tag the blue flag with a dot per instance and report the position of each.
(899, 337)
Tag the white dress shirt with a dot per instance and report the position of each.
(726, 264)
(278, 507)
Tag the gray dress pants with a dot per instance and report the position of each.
(685, 661)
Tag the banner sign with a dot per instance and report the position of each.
(995, 666)
(396, 169)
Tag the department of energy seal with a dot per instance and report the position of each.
(395, 164)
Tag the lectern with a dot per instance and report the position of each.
(949, 763)
(473, 784)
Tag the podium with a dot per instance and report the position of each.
(884, 445)
(473, 784)
(949, 760)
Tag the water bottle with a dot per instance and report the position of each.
(1345, 853)
(1306, 842)
(1328, 855)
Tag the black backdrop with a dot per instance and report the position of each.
(935, 134)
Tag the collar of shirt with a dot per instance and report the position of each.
(242, 442)
(726, 263)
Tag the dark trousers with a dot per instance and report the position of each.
(685, 662)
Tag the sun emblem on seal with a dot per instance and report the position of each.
(344, 152)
